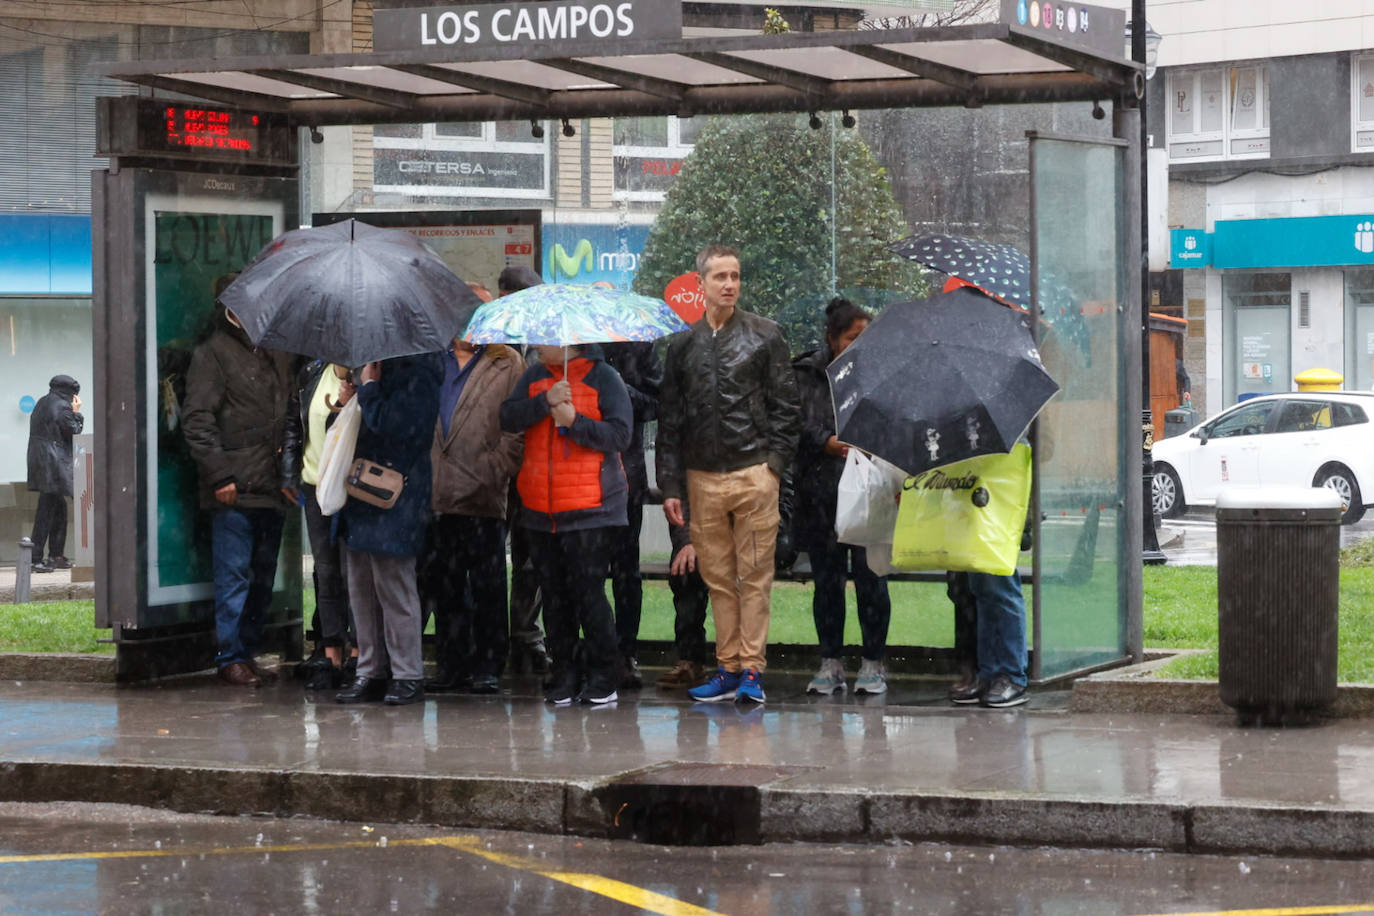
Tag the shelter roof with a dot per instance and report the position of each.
(971, 65)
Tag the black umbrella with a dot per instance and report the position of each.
(1003, 272)
(938, 380)
(350, 293)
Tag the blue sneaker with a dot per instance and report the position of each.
(720, 687)
(750, 686)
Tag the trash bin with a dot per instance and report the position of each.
(1177, 421)
(1278, 594)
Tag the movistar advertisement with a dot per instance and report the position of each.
(593, 254)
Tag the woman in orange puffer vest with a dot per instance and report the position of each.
(576, 417)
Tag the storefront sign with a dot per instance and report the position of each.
(1190, 248)
(1096, 28)
(645, 173)
(457, 172)
(520, 24)
(593, 253)
(1310, 241)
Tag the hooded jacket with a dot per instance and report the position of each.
(816, 475)
(571, 480)
(234, 417)
(51, 427)
(728, 401)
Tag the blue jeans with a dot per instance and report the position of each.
(244, 544)
(1001, 626)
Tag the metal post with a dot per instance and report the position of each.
(1151, 555)
(23, 571)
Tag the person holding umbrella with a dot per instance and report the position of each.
(399, 399)
(820, 462)
(575, 414)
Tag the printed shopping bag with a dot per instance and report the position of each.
(337, 458)
(866, 502)
(965, 516)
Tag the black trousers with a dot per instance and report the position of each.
(571, 567)
(831, 565)
(50, 526)
(333, 623)
(627, 586)
(691, 599)
(965, 619)
(462, 581)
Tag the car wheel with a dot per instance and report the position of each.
(1167, 492)
(1337, 477)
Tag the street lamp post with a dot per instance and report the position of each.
(1145, 50)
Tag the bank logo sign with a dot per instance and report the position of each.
(520, 24)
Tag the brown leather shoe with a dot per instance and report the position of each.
(237, 674)
(266, 675)
(685, 674)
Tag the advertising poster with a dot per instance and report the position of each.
(476, 244)
(593, 253)
(194, 243)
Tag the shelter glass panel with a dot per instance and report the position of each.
(1079, 241)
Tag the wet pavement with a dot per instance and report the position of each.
(123, 860)
(657, 767)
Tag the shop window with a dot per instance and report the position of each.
(492, 159)
(648, 154)
(1219, 114)
(1362, 103)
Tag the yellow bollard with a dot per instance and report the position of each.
(1319, 380)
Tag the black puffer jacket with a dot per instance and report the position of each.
(816, 474)
(234, 417)
(51, 427)
(729, 401)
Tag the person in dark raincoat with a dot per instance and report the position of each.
(399, 399)
(820, 462)
(55, 419)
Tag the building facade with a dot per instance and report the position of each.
(1265, 114)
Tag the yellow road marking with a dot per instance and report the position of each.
(1285, 911)
(595, 884)
(605, 887)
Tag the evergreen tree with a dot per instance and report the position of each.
(763, 184)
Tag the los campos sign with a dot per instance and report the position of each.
(518, 24)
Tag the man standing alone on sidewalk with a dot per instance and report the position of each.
(55, 419)
(729, 418)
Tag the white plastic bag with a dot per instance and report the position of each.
(337, 458)
(866, 504)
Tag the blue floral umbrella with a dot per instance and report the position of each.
(563, 314)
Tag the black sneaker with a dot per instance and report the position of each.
(970, 693)
(59, 563)
(485, 684)
(40, 568)
(561, 693)
(630, 678)
(598, 694)
(1003, 692)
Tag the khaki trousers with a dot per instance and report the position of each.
(735, 531)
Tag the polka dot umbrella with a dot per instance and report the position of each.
(1001, 271)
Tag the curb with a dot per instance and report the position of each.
(769, 813)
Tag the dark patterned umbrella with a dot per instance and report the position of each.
(939, 380)
(350, 293)
(1003, 272)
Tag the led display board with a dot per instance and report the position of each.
(170, 128)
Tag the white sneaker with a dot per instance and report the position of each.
(872, 678)
(829, 679)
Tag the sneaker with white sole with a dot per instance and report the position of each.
(721, 686)
(750, 686)
(829, 679)
(872, 678)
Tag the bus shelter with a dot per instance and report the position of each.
(204, 170)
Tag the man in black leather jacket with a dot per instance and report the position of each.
(729, 417)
